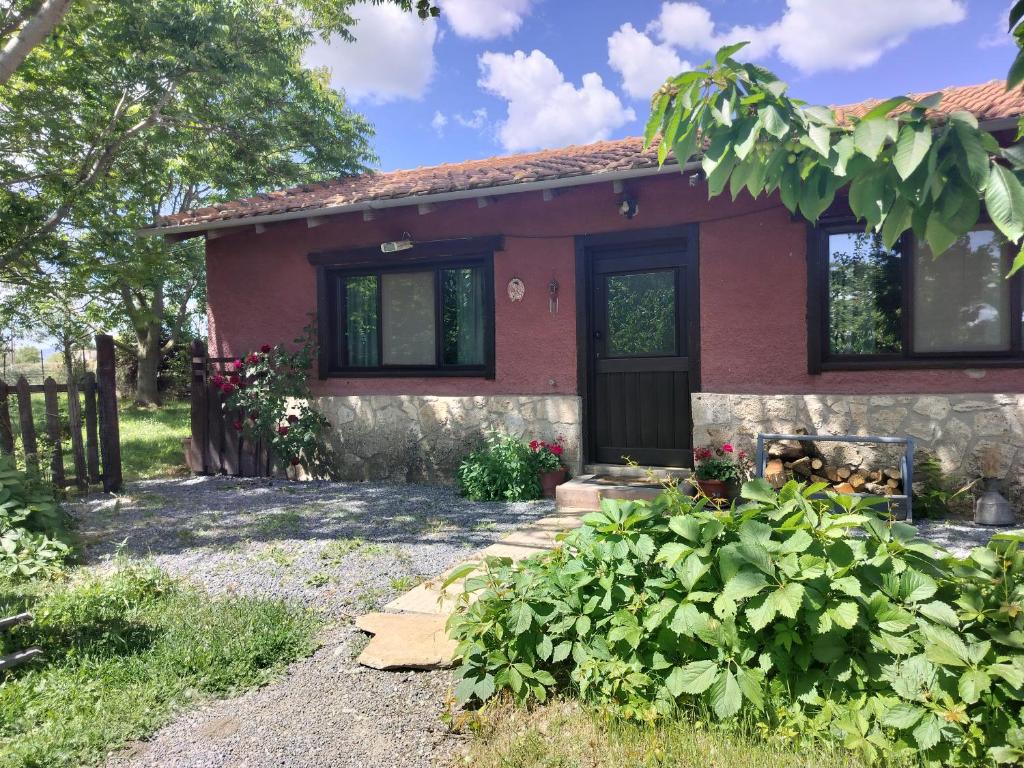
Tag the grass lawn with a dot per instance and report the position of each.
(124, 652)
(566, 735)
(150, 437)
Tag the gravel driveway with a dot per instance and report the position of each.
(341, 549)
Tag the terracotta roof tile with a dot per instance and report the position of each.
(987, 101)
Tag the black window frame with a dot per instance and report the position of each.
(819, 357)
(333, 269)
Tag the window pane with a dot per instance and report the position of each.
(407, 318)
(961, 299)
(361, 322)
(641, 313)
(865, 291)
(462, 313)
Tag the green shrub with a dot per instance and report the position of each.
(810, 616)
(505, 469)
(33, 528)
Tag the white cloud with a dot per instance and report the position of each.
(811, 35)
(476, 122)
(438, 123)
(643, 64)
(391, 58)
(485, 19)
(543, 109)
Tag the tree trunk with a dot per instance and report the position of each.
(44, 18)
(147, 389)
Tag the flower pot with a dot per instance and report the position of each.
(717, 490)
(551, 480)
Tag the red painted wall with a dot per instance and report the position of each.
(752, 276)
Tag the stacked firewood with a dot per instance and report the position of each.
(801, 461)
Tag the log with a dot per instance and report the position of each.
(18, 618)
(787, 450)
(775, 473)
(802, 466)
(892, 473)
(819, 479)
(892, 483)
(877, 489)
(844, 488)
(843, 473)
(19, 657)
(857, 480)
(816, 465)
(831, 473)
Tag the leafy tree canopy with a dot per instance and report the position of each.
(903, 168)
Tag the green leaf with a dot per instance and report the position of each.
(939, 236)
(484, 689)
(928, 732)
(911, 147)
(883, 108)
(726, 697)
(743, 585)
(1004, 200)
(973, 683)
(671, 553)
(788, 599)
(819, 139)
(522, 615)
(693, 678)
(1016, 74)
(760, 612)
(870, 135)
(545, 648)
(751, 685)
(940, 612)
(561, 652)
(758, 490)
(916, 586)
(903, 715)
(726, 51)
(845, 615)
(582, 625)
(773, 122)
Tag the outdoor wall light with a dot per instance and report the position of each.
(393, 246)
(628, 207)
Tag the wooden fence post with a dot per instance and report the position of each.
(110, 433)
(92, 443)
(6, 431)
(52, 406)
(28, 427)
(197, 447)
(75, 425)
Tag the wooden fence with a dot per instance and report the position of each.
(96, 456)
(217, 446)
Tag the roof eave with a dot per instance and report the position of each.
(193, 230)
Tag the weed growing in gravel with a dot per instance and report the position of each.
(124, 651)
(281, 522)
(185, 537)
(336, 551)
(405, 583)
(484, 525)
(318, 579)
(370, 599)
(279, 556)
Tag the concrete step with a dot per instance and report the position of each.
(637, 472)
(586, 491)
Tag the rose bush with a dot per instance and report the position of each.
(267, 392)
(548, 456)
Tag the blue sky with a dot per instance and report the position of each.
(498, 76)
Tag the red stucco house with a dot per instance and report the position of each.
(589, 293)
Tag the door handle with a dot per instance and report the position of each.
(597, 335)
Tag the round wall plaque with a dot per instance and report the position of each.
(516, 289)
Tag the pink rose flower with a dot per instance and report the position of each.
(727, 448)
(265, 348)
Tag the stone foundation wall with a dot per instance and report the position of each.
(408, 438)
(956, 429)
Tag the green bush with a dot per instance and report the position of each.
(505, 469)
(33, 528)
(810, 616)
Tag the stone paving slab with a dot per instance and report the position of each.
(411, 634)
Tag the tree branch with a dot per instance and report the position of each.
(40, 24)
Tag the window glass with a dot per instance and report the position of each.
(865, 288)
(462, 313)
(641, 313)
(361, 321)
(961, 298)
(407, 318)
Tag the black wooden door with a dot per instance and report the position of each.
(643, 318)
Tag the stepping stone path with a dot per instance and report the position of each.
(411, 633)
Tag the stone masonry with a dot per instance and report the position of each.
(408, 438)
(956, 428)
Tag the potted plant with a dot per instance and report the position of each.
(551, 470)
(715, 469)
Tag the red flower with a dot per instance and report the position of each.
(253, 358)
(292, 418)
(282, 431)
(234, 379)
(238, 425)
(239, 365)
(217, 379)
(727, 448)
(265, 348)
(534, 445)
(227, 388)
(743, 454)
(702, 454)
(556, 449)
(296, 461)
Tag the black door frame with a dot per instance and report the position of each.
(586, 247)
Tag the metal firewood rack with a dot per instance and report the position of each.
(904, 500)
